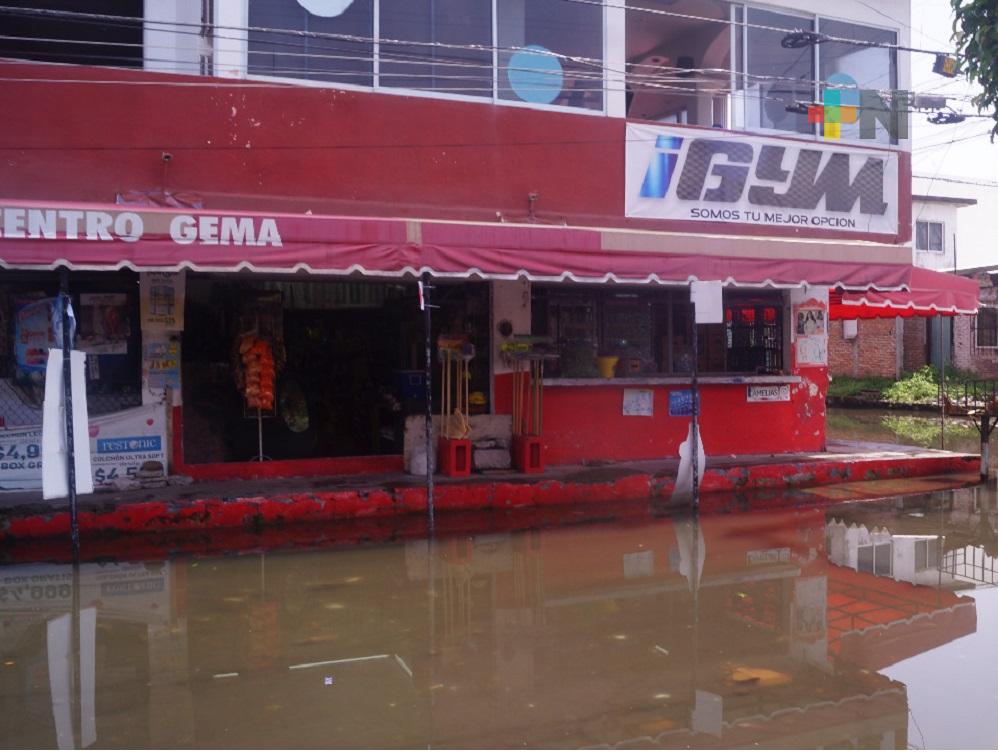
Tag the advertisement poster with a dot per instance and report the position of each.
(699, 176)
(681, 403)
(119, 444)
(811, 333)
(34, 333)
(160, 367)
(161, 300)
(105, 323)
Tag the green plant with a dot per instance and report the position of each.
(847, 386)
(975, 32)
(921, 386)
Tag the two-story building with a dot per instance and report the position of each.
(214, 174)
(891, 346)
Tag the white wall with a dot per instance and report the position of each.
(167, 51)
(510, 301)
(931, 211)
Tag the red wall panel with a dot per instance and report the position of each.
(586, 422)
(241, 145)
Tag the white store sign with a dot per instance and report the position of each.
(119, 444)
(768, 393)
(704, 176)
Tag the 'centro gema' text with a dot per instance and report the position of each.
(78, 224)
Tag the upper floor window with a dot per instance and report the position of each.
(72, 38)
(776, 78)
(722, 64)
(678, 68)
(346, 55)
(445, 46)
(547, 52)
(847, 69)
(986, 323)
(929, 236)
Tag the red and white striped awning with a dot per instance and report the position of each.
(929, 293)
(37, 235)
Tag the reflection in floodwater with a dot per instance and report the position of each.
(768, 628)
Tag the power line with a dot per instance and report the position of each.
(653, 81)
(822, 38)
(961, 181)
(596, 63)
(91, 17)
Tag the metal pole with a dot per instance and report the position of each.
(76, 686)
(67, 380)
(695, 437)
(942, 386)
(428, 373)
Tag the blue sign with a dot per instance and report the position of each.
(535, 74)
(681, 403)
(129, 444)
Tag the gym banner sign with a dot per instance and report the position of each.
(705, 176)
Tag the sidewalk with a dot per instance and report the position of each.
(255, 504)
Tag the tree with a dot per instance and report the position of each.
(975, 32)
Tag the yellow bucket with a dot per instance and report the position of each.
(606, 365)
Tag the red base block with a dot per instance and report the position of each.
(454, 457)
(528, 454)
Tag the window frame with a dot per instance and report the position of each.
(994, 328)
(242, 51)
(928, 235)
(663, 325)
(740, 68)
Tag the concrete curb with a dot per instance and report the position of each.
(316, 507)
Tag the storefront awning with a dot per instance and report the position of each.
(37, 235)
(929, 294)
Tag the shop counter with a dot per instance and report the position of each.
(646, 417)
(674, 380)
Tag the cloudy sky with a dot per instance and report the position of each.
(954, 160)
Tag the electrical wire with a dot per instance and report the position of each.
(678, 84)
(596, 63)
(91, 17)
(823, 37)
(961, 181)
(650, 81)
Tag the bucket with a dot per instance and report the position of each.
(606, 365)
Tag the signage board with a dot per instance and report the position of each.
(681, 403)
(723, 177)
(161, 300)
(119, 444)
(639, 402)
(768, 393)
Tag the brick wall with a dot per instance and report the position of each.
(915, 338)
(966, 354)
(841, 356)
(873, 352)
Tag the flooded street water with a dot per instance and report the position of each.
(905, 427)
(785, 622)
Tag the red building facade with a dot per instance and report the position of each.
(310, 211)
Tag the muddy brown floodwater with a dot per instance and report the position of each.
(907, 427)
(795, 624)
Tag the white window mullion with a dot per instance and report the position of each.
(816, 72)
(232, 51)
(615, 58)
(495, 51)
(376, 44)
